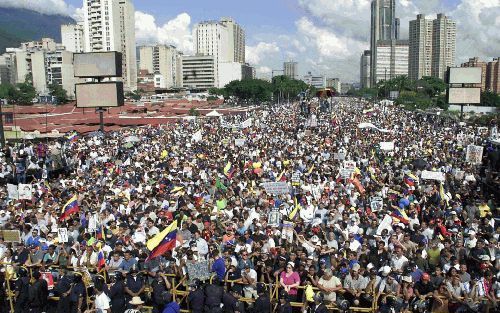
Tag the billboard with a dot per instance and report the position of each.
(464, 95)
(98, 64)
(464, 75)
(97, 95)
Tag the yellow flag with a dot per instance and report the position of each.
(281, 175)
(156, 240)
(310, 170)
(227, 168)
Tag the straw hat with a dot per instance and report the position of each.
(136, 301)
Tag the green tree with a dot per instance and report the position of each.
(8, 91)
(194, 112)
(412, 100)
(490, 99)
(432, 86)
(26, 93)
(250, 89)
(59, 93)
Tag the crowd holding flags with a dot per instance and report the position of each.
(69, 208)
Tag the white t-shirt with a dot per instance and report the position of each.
(102, 302)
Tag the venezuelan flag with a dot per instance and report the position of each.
(410, 179)
(72, 137)
(163, 241)
(400, 215)
(69, 208)
(99, 233)
(281, 177)
(101, 261)
(229, 170)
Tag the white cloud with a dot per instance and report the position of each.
(255, 54)
(263, 70)
(49, 7)
(175, 32)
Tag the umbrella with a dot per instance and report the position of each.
(132, 139)
(420, 163)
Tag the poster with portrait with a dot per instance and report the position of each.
(25, 191)
(287, 231)
(13, 191)
(62, 234)
(274, 218)
(474, 154)
(47, 276)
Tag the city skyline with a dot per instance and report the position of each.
(324, 37)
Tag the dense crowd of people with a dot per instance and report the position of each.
(357, 223)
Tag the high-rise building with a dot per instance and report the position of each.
(247, 71)
(384, 26)
(432, 46)
(493, 76)
(199, 72)
(420, 53)
(334, 83)
(444, 39)
(364, 67)
(392, 59)
(290, 69)
(475, 62)
(162, 60)
(236, 40)
(317, 81)
(109, 25)
(73, 38)
(46, 61)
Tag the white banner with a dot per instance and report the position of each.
(339, 156)
(387, 145)
(430, 175)
(385, 224)
(276, 188)
(197, 136)
(474, 154)
(239, 142)
(370, 125)
(246, 124)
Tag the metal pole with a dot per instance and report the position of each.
(9, 292)
(101, 119)
(2, 135)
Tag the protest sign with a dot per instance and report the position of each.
(385, 224)
(346, 172)
(276, 188)
(247, 123)
(198, 270)
(25, 191)
(47, 276)
(494, 132)
(62, 234)
(11, 235)
(350, 165)
(197, 136)
(474, 154)
(459, 175)
(274, 218)
(430, 175)
(287, 232)
(339, 156)
(387, 146)
(376, 203)
(13, 191)
(239, 142)
(296, 179)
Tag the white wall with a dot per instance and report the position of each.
(228, 71)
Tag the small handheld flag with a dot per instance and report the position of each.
(69, 208)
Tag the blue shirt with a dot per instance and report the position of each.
(127, 265)
(172, 307)
(219, 267)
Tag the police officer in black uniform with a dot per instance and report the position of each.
(159, 286)
(22, 291)
(63, 290)
(319, 305)
(117, 293)
(134, 285)
(196, 298)
(263, 303)
(284, 306)
(231, 302)
(213, 296)
(78, 295)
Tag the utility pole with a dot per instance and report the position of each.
(2, 135)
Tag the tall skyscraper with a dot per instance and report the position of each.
(444, 41)
(420, 54)
(163, 60)
(109, 25)
(290, 69)
(476, 62)
(364, 66)
(384, 26)
(236, 37)
(432, 46)
(73, 37)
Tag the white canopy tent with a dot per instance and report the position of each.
(214, 113)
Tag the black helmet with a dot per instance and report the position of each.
(23, 272)
(195, 283)
(319, 296)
